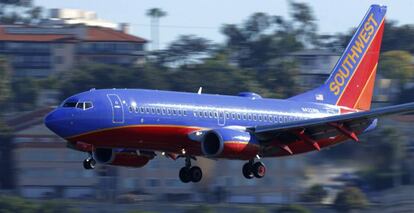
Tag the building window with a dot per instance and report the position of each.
(58, 60)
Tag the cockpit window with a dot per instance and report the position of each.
(84, 105)
(69, 104)
(80, 105)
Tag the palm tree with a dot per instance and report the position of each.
(155, 14)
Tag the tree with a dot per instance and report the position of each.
(394, 38)
(315, 194)
(17, 204)
(350, 198)
(19, 11)
(306, 28)
(201, 209)
(24, 94)
(292, 209)
(101, 76)
(397, 65)
(215, 75)
(384, 170)
(187, 49)
(4, 82)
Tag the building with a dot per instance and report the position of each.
(59, 45)
(315, 65)
(59, 16)
(44, 167)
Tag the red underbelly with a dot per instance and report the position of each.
(152, 137)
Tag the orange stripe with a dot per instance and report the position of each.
(368, 83)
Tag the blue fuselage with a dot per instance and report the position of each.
(112, 108)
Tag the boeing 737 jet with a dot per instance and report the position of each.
(127, 127)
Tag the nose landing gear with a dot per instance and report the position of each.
(252, 169)
(188, 173)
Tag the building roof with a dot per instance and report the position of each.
(108, 34)
(92, 34)
(5, 36)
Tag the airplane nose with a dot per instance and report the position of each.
(49, 119)
(55, 122)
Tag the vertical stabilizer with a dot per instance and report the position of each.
(351, 82)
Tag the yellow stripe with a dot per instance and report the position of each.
(241, 142)
(350, 79)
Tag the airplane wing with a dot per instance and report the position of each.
(310, 130)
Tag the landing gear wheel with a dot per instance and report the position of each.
(259, 170)
(185, 175)
(89, 163)
(196, 174)
(247, 170)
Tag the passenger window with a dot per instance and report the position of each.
(180, 112)
(142, 109)
(185, 112)
(130, 108)
(148, 110)
(205, 114)
(163, 111)
(233, 116)
(215, 114)
(227, 115)
(244, 116)
(249, 117)
(254, 117)
(168, 111)
(265, 118)
(174, 112)
(153, 110)
(211, 114)
(158, 110)
(238, 116)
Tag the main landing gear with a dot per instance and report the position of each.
(252, 169)
(188, 173)
(89, 163)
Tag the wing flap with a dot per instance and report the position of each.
(322, 126)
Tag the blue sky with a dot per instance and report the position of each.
(204, 17)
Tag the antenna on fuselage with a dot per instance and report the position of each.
(200, 90)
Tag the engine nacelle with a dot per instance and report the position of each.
(120, 158)
(229, 143)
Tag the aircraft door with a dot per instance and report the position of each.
(117, 108)
(221, 118)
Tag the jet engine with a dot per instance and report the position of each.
(120, 157)
(229, 143)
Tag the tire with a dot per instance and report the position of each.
(196, 174)
(185, 175)
(89, 163)
(259, 170)
(247, 171)
(92, 163)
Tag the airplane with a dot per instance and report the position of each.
(127, 127)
